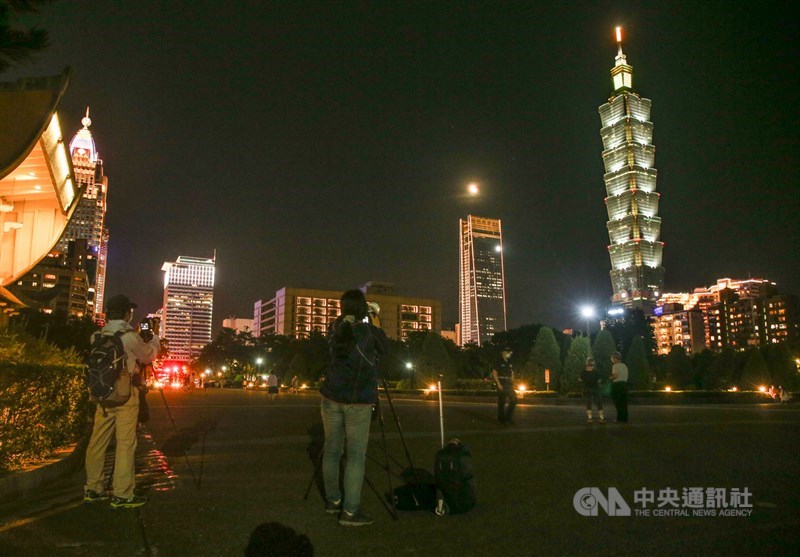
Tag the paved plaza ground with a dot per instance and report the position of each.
(252, 459)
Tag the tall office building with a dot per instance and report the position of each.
(88, 221)
(634, 227)
(482, 291)
(298, 312)
(188, 305)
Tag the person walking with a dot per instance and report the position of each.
(619, 387)
(119, 421)
(272, 385)
(503, 375)
(590, 379)
(349, 391)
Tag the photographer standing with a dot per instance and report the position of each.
(349, 391)
(119, 420)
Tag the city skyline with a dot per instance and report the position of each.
(335, 142)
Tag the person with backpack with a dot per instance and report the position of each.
(349, 391)
(117, 350)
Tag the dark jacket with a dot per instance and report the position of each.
(590, 380)
(352, 375)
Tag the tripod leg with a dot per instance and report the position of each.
(397, 422)
(386, 459)
(317, 466)
(391, 510)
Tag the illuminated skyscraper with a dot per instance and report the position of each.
(634, 227)
(188, 305)
(482, 296)
(88, 221)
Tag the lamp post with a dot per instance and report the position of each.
(410, 368)
(587, 312)
(259, 361)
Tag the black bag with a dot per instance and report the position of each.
(106, 374)
(454, 477)
(418, 493)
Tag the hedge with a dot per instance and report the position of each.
(42, 408)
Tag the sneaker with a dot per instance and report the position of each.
(602, 420)
(355, 519)
(588, 419)
(132, 503)
(333, 507)
(90, 496)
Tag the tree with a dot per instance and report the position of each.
(638, 365)
(434, 361)
(679, 367)
(545, 354)
(781, 365)
(703, 377)
(574, 364)
(18, 46)
(722, 372)
(298, 367)
(604, 345)
(756, 373)
(633, 324)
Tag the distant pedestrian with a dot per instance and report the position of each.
(119, 421)
(294, 385)
(273, 539)
(272, 385)
(503, 375)
(590, 379)
(619, 387)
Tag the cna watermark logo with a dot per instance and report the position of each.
(689, 501)
(588, 500)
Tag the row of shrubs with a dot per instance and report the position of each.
(44, 404)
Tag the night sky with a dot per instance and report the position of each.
(327, 144)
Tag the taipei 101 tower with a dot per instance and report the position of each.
(634, 227)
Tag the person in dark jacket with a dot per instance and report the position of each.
(590, 379)
(349, 391)
(503, 377)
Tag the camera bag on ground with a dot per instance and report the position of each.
(454, 477)
(106, 374)
(418, 493)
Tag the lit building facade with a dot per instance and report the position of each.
(741, 313)
(38, 190)
(88, 221)
(482, 292)
(675, 326)
(298, 312)
(238, 324)
(634, 227)
(188, 305)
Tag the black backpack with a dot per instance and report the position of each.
(454, 477)
(106, 374)
(418, 493)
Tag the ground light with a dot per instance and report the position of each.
(668, 389)
(763, 389)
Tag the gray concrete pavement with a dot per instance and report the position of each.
(249, 461)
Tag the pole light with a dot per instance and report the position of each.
(587, 312)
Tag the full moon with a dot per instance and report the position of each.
(473, 189)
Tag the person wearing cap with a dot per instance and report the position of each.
(503, 375)
(619, 387)
(590, 380)
(119, 421)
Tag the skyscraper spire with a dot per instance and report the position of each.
(634, 227)
(621, 73)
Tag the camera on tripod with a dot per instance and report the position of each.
(147, 328)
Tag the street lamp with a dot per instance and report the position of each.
(410, 368)
(587, 312)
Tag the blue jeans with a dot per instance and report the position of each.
(351, 422)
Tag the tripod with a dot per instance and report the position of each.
(409, 474)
